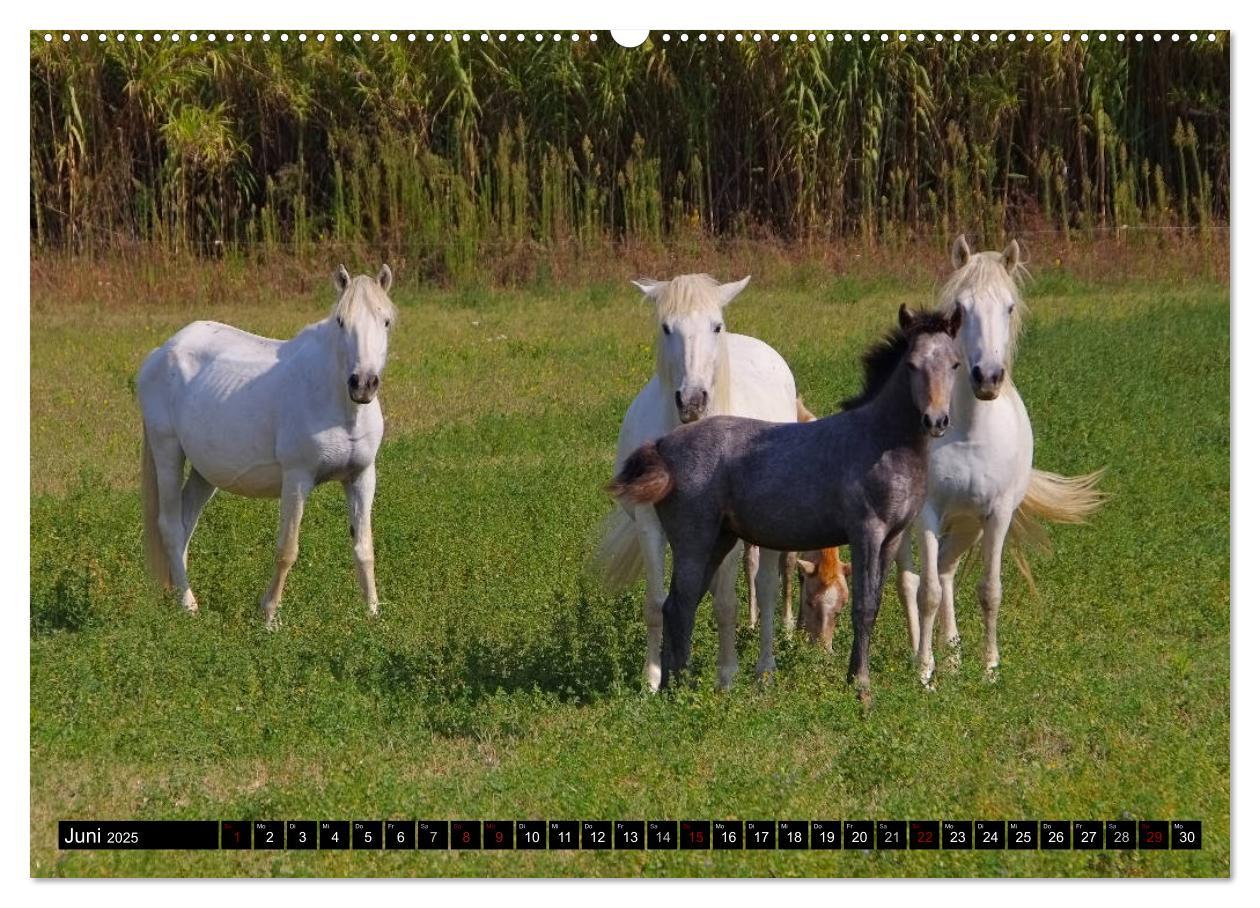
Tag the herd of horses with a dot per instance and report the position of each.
(717, 449)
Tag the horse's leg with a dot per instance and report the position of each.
(867, 551)
(294, 489)
(197, 493)
(908, 588)
(929, 591)
(359, 494)
(954, 544)
(168, 462)
(989, 589)
(694, 568)
(725, 604)
(652, 544)
(767, 590)
(752, 558)
(787, 571)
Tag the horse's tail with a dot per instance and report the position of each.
(619, 559)
(1052, 498)
(154, 552)
(644, 477)
(802, 412)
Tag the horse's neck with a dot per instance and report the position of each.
(313, 353)
(893, 410)
(722, 379)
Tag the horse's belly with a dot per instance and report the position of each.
(262, 481)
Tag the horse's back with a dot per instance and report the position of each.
(210, 386)
(762, 384)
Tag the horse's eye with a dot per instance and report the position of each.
(717, 329)
(340, 323)
(665, 328)
(388, 322)
(1011, 310)
(955, 366)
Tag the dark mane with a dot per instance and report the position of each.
(881, 358)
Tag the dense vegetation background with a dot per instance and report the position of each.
(450, 154)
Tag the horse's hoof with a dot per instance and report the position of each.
(652, 677)
(726, 678)
(373, 610)
(864, 697)
(766, 669)
(925, 678)
(991, 674)
(189, 603)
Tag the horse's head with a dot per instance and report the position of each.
(690, 346)
(824, 592)
(932, 360)
(363, 316)
(985, 287)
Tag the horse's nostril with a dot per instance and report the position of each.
(927, 421)
(704, 398)
(998, 376)
(944, 422)
(354, 382)
(976, 375)
(678, 399)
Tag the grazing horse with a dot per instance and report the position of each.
(701, 369)
(267, 419)
(981, 481)
(855, 478)
(824, 592)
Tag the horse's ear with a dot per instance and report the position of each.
(807, 568)
(1011, 257)
(960, 252)
(649, 287)
(385, 278)
(341, 279)
(905, 318)
(728, 292)
(955, 320)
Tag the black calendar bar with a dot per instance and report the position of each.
(127, 835)
(366, 836)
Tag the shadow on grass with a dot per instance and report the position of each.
(584, 650)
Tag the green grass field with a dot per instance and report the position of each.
(500, 682)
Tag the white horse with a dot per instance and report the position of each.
(701, 370)
(267, 419)
(981, 481)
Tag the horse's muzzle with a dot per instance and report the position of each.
(363, 388)
(691, 406)
(935, 425)
(987, 385)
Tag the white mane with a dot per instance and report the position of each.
(364, 294)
